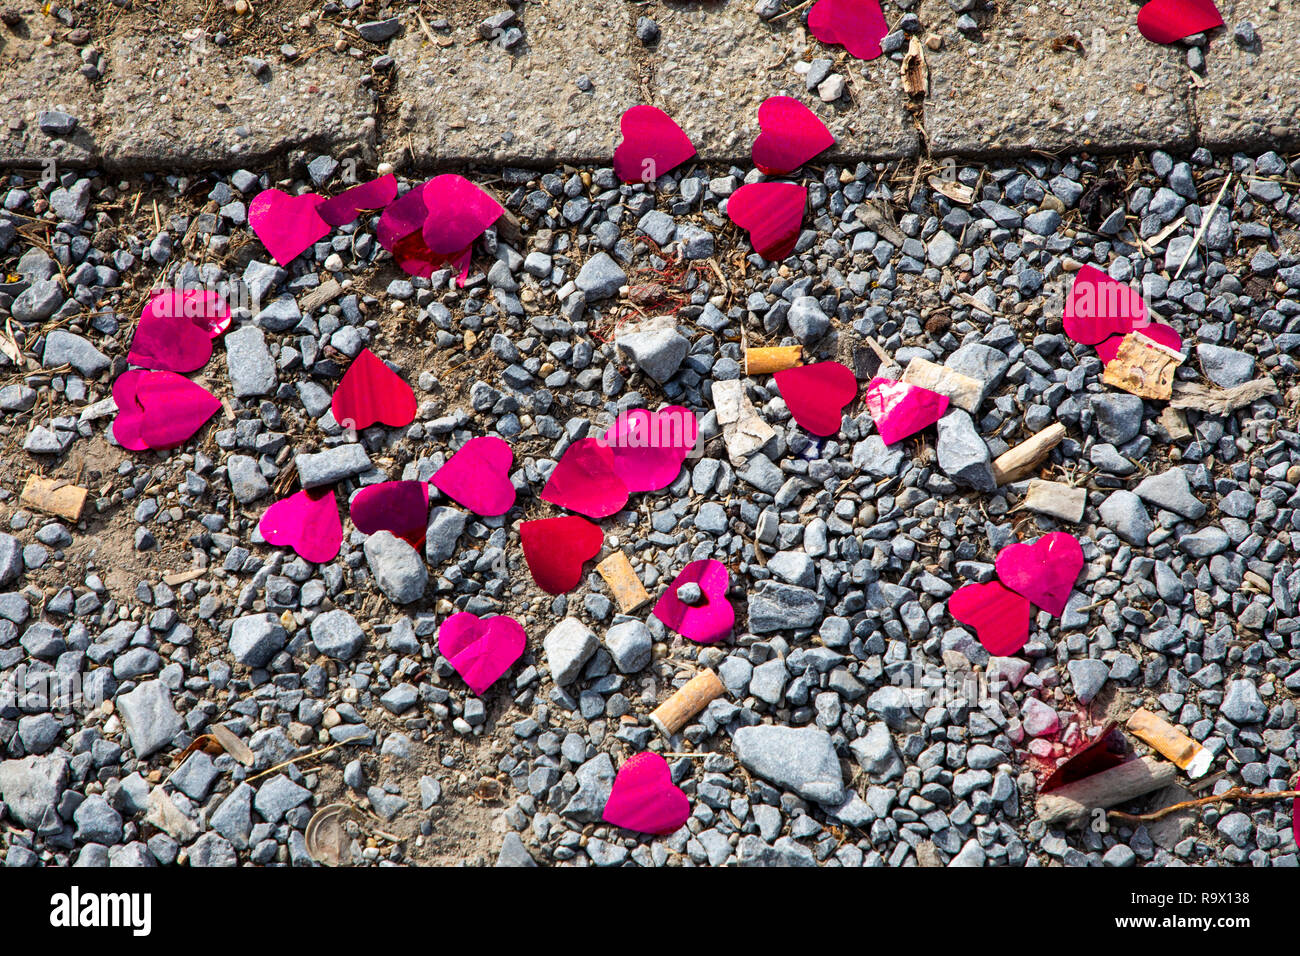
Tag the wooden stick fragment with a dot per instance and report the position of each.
(1021, 461)
(763, 361)
(1073, 804)
(60, 498)
(696, 694)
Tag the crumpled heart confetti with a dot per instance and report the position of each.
(1044, 571)
(159, 410)
(481, 649)
(900, 409)
(478, 476)
(644, 797)
(585, 480)
(652, 145)
(817, 395)
(555, 549)
(346, 206)
(167, 339)
(459, 212)
(1099, 306)
(1100, 753)
(1157, 332)
(713, 620)
(372, 392)
(857, 25)
(400, 229)
(308, 522)
(772, 214)
(1168, 21)
(650, 447)
(287, 225)
(400, 507)
(999, 617)
(791, 134)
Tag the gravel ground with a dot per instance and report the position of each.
(863, 725)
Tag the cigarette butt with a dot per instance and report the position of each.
(1171, 742)
(763, 361)
(622, 580)
(696, 694)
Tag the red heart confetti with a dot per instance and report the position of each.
(817, 394)
(372, 392)
(346, 206)
(402, 217)
(1168, 21)
(287, 225)
(1157, 332)
(584, 480)
(459, 212)
(481, 649)
(857, 25)
(1100, 753)
(791, 134)
(713, 620)
(644, 798)
(1044, 571)
(650, 447)
(900, 409)
(999, 617)
(1098, 307)
(478, 476)
(308, 522)
(652, 145)
(772, 213)
(400, 507)
(555, 549)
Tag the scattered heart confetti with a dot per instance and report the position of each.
(401, 507)
(402, 217)
(649, 447)
(584, 480)
(166, 339)
(372, 392)
(652, 145)
(772, 213)
(481, 649)
(159, 409)
(713, 620)
(203, 307)
(791, 134)
(644, 797)
(856, 25)
(287, 225)
(817, 394)
(346, 206)
(1157, 332)
(459, 212)
(308, 522)
(555, 549)
(1101, 753)
(1168, 21)
(1098, 307)
(999, 617)
(478, 476)
(1044, 571)
(900, 409)
(414, 257)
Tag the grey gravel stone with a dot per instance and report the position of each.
(963, 455)
(150, 719)
(600, 277)
(801, 759)
(568, 646)
(1122, 511)
(444, 530)
(1225, 367)
(1172, 491)
(629, 644)
(256, 638)
(332, 465)
(249, 363)
(64, 348)
(398, 568)
(337, 635)
(654, 346)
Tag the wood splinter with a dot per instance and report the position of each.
(1021, 461)
(763, 361)
(696, 694)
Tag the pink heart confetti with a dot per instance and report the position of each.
(1098, 307)
(308, 522)
(287, 225)
(372, 392)
(555, 549)
(459, 212)
(772, 213)
(650, 447)
(478, 476)
(346, 206)
(402, 217)
(1157, 332)
(1168, 21)
(713, 620)
(857, 25)
(166, 339)
(791, 134)
(481, 649)
(652, 145)
(584, 480)
(130, 413)
(1044, 571)
(160, 410)
(817, 394)
(1000, 618)
(644, 797)
(400, 507)
(900, 409)
(203, 307)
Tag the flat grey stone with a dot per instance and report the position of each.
(247, 482)
(399, 570)
(337, 635)
(149, 717)
(31, 787)
(807, 320)
(629, 644)
(1088, 678)
(1172, 491)
(654, 346)
(876, 754)
(568, 646)
(332, 465)
(278, 795)
(1118, 417)
(800, 759)
(443, 532)
(962, 454)
(513, 852)
(38, 301)
(249, 362)
(600, 277)
(64, 348)
(595, 781)
(1225, 367)
(1123, 513)
(1242, 703)
(256, 638)
(774, 606)
(233, 818)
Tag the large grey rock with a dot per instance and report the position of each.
(595, 781)
(332, 465)
(233, 819)
(981, 362)
(1088, 678)
(629, 644)
(149, 717)
(249, 363)
(962, 454)
(1118, 417)
(256, 638)
(38, 301)
(337, 634)
(1124, 514)
(654, 346)
(1172, 491)
(1207, 541)
(444, 530)
(97, 822)
(1225, 367)
(398, 568)
(775, 606)
(64, 348)
(1242, 703)
(31, 787)
(568, 646)
(600, 277)
(801, 759)
(514, 853)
